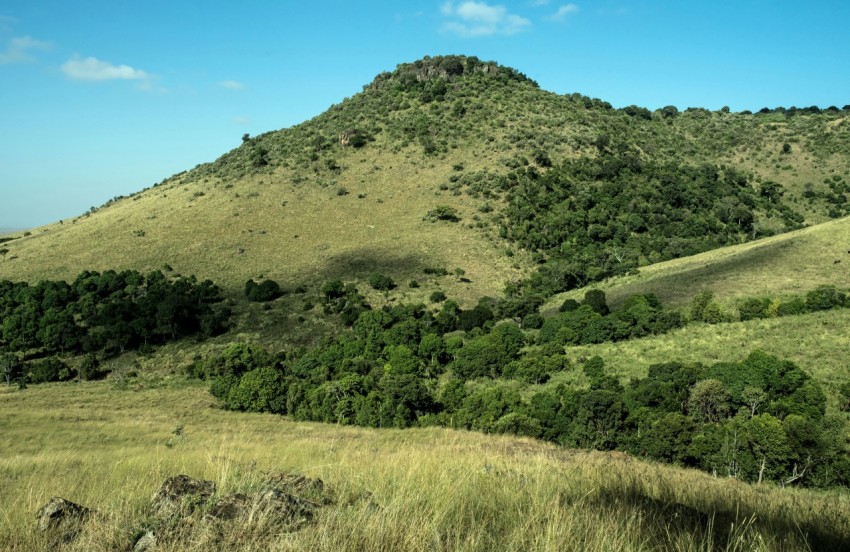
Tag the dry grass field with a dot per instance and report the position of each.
(109, 447)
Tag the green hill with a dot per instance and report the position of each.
(345, 194)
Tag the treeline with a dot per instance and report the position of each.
(404, 365)
(107, 312)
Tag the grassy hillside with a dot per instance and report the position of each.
(109, 447)
(790, 263)
(816, 342)
(344, 194)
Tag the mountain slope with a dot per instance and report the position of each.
(345, 194)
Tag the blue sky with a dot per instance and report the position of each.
(104, 98)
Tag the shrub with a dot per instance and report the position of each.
(824, 298)
(754, 307)
(532, 321)
(569, 305)
(595, 299)
(268, 290)
(438, 297)
(90, 368)
(49, 369)
(381, 282)
(442, 212)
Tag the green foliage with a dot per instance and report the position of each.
(89, 368)
(595, 299)
(49, 369)
(109, 312)
(267, 290)
(442, 212)
(381, 282)
(259, 390)
(437, 297)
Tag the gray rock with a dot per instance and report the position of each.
(231, 506)
(182, 494)
(59, 512)
(146, 543)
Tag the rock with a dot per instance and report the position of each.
(286, 506)
(59, 512)
(301, 485)
(146, 543)
(231, 506)
(182, 493)
(272, 503)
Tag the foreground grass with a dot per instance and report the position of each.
(428, 489)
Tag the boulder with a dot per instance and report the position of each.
(301, 485)
(59, 512)
(146, 543)
(231, 506)
(182, 494)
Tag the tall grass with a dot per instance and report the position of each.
(421, 489)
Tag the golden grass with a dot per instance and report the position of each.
(430, 489)
(271, 225)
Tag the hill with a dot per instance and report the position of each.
(345, 194)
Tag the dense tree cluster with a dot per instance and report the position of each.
(109, 311)
(595, 217)
(404, 365)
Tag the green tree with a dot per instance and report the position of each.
(709, 401)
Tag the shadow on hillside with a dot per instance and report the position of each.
(708, 275)
(363, 262)
(724, 527)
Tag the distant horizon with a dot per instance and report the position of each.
(105, 108)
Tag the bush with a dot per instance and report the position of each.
(49, 369)
(438, 297)
(755, 307)
(824, 298)
(268, 290)
(569, 305)
(595, 299)
(381, 282)
(532, 321)
(90, 368)
(442, 212)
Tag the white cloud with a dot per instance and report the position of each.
(538, 3)
(6, 23)
(232, 85)
(93, 69)
(19, 49)
(472, 19)
(563, 12)
(241, 121)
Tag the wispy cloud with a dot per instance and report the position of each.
(474, 19)
(93, 69)
(563, 12)
(538, 3)
(6, 23)
(232, 85)
(20, 48)
(241, 121)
